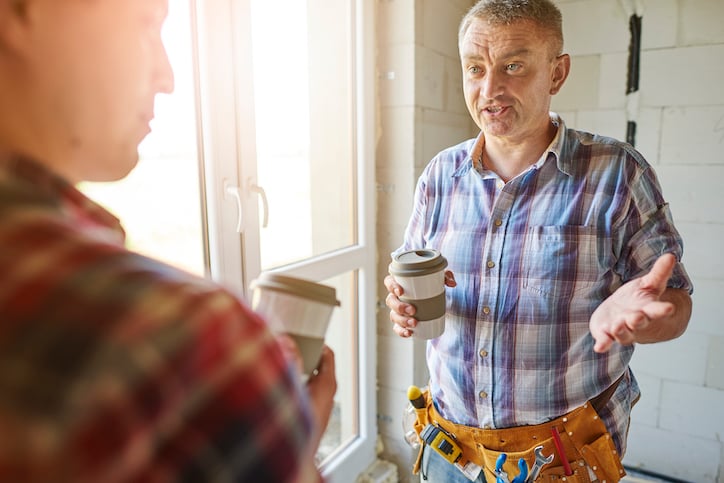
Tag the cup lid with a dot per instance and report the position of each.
(298, 287)
(413, 263)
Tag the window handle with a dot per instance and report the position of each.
(235, 194)
(255, 188)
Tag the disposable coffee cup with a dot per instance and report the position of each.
(299, 308)
(421, 273)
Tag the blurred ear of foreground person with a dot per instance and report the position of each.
(115, 367)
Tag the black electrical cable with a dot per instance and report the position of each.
(634, 69)
(634, 54)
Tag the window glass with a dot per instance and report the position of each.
(304, 121)
(342, 338)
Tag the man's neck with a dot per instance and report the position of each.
(508, 159)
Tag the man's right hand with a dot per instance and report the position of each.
(401, 313)
(321, 385)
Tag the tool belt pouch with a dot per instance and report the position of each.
(421, 421)
(585, 440)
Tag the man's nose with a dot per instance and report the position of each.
(164, 72)
(492, 85)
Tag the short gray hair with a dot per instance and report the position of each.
(505, 12)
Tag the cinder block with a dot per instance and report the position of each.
(440, 130)
(392, 223)
(395, 22)
(611, 123)
(402, 455)
(693, 135)
(569, 117)
(706, 314)
(672, 453)
(682, 359)
(703, 242)
(429, 79)
(580, 90)
(701, 22)
(659, 27)
(396, 147)
(715, 366)
(692, 409)
(440, 22)
(693, 192)
(390, 404)
(612, 91)
(397, 75)
(688, 76)
(594, 27)
(395, 365)
(648, 134)
(646, 411)
(454, 98)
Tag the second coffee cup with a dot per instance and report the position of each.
(421, 273)
(299, 308)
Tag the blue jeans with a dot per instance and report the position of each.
(436, 469)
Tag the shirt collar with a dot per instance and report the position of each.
(554, 150)
(38, 185)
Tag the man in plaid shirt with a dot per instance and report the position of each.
(115, 367)
(562, 254)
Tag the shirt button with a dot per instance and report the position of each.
(487, 426)
(483, 353)
(491, 264)
(498, 222)
(483, 394)
(486, 310)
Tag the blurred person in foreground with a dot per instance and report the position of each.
(113, 366)
(562, 255)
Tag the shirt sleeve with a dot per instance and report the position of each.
(161, 378)
(648, 232)
(252, 421)
(415, 232)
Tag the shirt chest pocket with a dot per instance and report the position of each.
(563, 260)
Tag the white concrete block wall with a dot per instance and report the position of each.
(677, 426)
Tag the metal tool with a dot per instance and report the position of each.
(540, 462)
(500, 475)
(523, 475)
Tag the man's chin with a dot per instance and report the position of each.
(113, 169)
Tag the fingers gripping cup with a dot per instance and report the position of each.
(300, 308)
(421, 273)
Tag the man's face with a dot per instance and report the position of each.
(98, 65)
(510, 73)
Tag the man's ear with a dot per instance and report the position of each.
(561, 69)
(13, 19)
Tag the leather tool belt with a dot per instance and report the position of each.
(585, 441)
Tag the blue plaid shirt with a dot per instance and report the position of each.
(533, 258)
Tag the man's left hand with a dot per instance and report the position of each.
(642, 310)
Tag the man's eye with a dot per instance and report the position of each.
(474, 70)
(512, 67)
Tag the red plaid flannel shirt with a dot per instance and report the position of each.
(115, 367)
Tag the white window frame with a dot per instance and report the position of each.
(227, 143)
